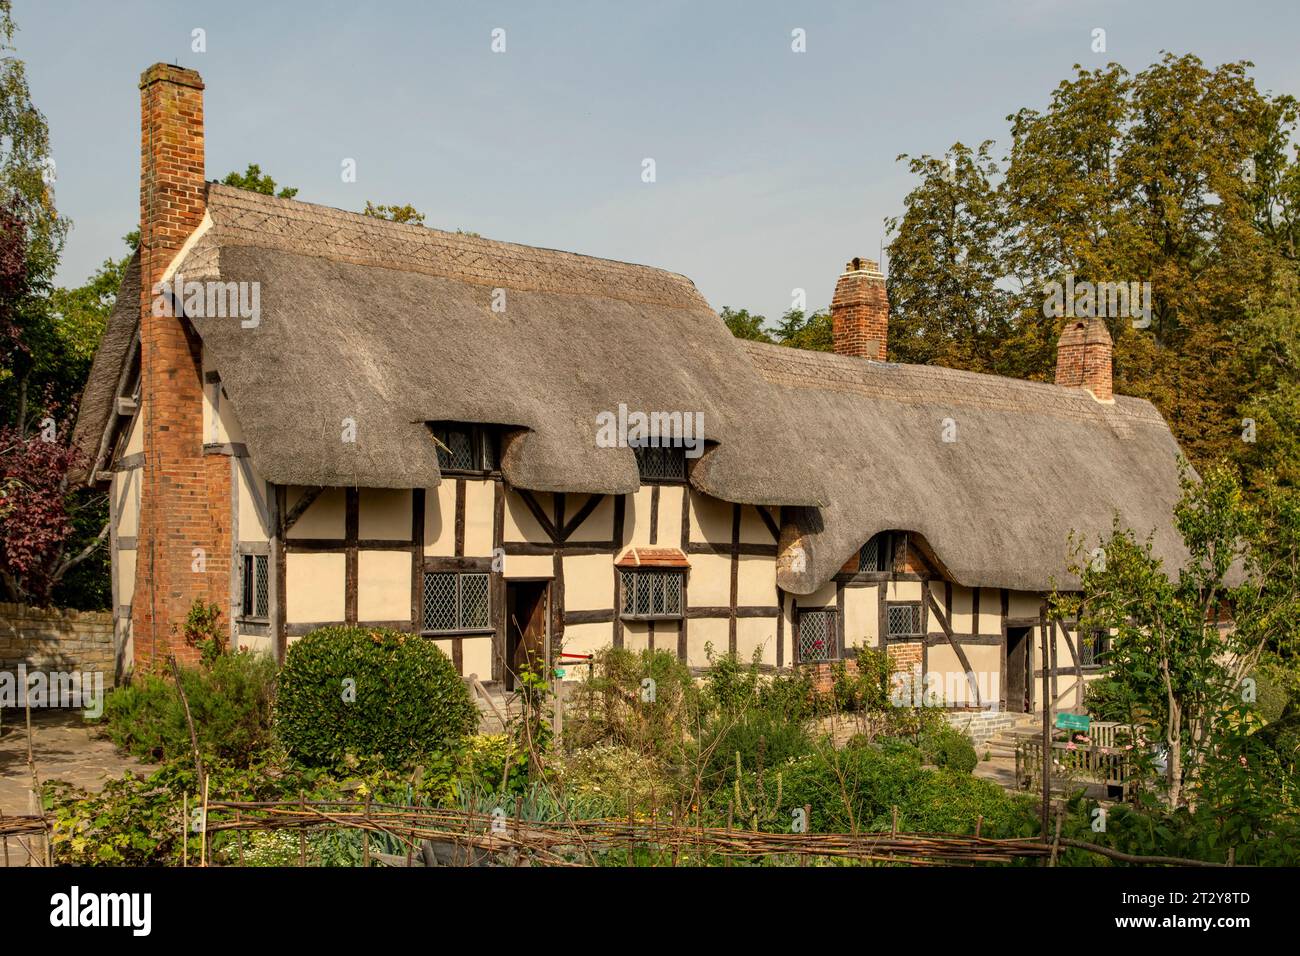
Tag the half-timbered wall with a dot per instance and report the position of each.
(124, 527)
(358, 556)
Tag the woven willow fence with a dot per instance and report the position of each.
(459, 837)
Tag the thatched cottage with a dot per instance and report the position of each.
(309, 416)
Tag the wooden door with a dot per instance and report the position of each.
(525, 627)
(1017, 676)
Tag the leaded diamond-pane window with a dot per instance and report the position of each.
(457, 601)
(651, 593)
(876, 553)
(817, 636)
(904, 621)
(1093, 647)
(660, 464)
(467, 448)
(254, 586)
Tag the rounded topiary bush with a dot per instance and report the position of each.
(370, 695)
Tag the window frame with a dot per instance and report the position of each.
(637, 574)
(641, 450)
(890, 637)
(250, 561)
(459, 629)
(836, 652)
(485, 444)
(884, 554)
(1099, 647)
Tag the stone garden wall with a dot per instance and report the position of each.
(52, 639)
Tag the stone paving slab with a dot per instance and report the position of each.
(64, 748)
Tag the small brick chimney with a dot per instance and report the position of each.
(860, 311)
(184, 529)
(1084, 356)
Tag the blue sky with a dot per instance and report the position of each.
(773, 167)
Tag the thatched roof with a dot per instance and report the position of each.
(392, 326)
(114, 353)
(1030, 463)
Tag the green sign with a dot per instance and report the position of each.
(1073, 722)
(559, 672)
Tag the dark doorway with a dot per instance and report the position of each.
(1018, 661)
(525, 628)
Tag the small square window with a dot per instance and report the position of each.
(877, 554)
(651, 594)
(904, 621)
(468, 449)
(659, 465)
(817, 636)
(457, 601)
(1093, 648)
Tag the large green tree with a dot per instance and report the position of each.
(795, 329)
(30, 220)
(1178, 668)
(1181, 176)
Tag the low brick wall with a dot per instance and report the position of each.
(902, 654)
(51, 639)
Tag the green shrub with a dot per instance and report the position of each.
(788, 694)
(1106, 699)
(949, 747)
(231, 701)
(490, 762)
(354, 695)
(615, 705)
(763, 738)
(611, 780)
(869, 686)
(1275, 688)
(859, 787)
(730, 684)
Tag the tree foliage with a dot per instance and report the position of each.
(1175, 665)
(795, 328)
(1181, 176)
(406, 213)
(37, 515)
(253, 178)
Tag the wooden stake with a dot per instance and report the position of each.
(1056, 842)
(365, 838)
(203, 835)
(302, 833)
(185, 829)
(239, 818)
(1047, 739)
(807, 828)
(194, 737)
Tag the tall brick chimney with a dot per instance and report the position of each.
(184, 530)
(1084, 356)
(860, 311)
